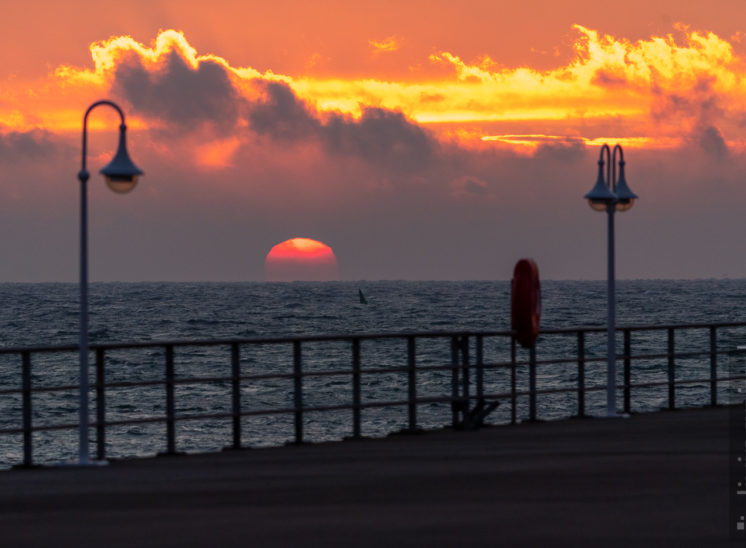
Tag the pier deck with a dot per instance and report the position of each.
(656, 479)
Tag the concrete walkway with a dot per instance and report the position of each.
(649, 480)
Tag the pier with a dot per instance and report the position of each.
(656, 479)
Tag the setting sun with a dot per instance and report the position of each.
(301, 259)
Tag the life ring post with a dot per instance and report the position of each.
(525, 302)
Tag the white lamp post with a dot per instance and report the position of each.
(121, 177)
(611, 195)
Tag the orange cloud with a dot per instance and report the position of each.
(107, 54)
(653, 92)
(607, 78)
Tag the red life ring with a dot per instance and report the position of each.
(525, 302)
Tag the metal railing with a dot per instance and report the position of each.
(476, 378)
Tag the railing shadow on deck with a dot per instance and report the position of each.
(464, 375)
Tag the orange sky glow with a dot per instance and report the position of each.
(610, 88)
(391, 131)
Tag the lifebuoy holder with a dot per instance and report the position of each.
(525, 302)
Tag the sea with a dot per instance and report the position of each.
(47, 314)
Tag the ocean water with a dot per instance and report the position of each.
(47, 314)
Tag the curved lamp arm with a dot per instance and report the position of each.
(601, 197)
(625, 198)
(122, 127)
(605, 148)
(121, 173)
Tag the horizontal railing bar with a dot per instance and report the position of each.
(40, 349)
(736, 378)
(60, 388)
(71, 426)
(685, 381)
(620, 357)
(661, 355)
(42, 428)
(433, 399)
(370, 371)
(369, 336)
(640, 385)
(251, 341)
(130, 384)
(225, 415)
(348, 372)
(560, 390)
(493, 365)
(276, 411)
(127, 384)
(123, 422)
(347, 406)
(201, 380)
(640, 327)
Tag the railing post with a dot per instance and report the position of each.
(454, 381)
(27, 415)
(581, 374)
(356, 396)
(532, 382)
(236, 393)
(100, 405)
(465, 415)
(713, 366)
(671, 370)
(627, 371)
(170, 403)
(513, 402)
(298, 391)
(480, 370)
(411, 384)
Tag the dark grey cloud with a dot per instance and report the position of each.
(469, 187)
(381, 137)
(702, 109)
(700, 102)
(281, 115)
(712, 143)
(180, 94)
(567, 150)
(35, 145)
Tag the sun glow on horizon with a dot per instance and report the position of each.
(301, 259)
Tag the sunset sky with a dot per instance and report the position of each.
(417, 139)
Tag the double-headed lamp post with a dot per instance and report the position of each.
(611, 194)
(121, 177)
